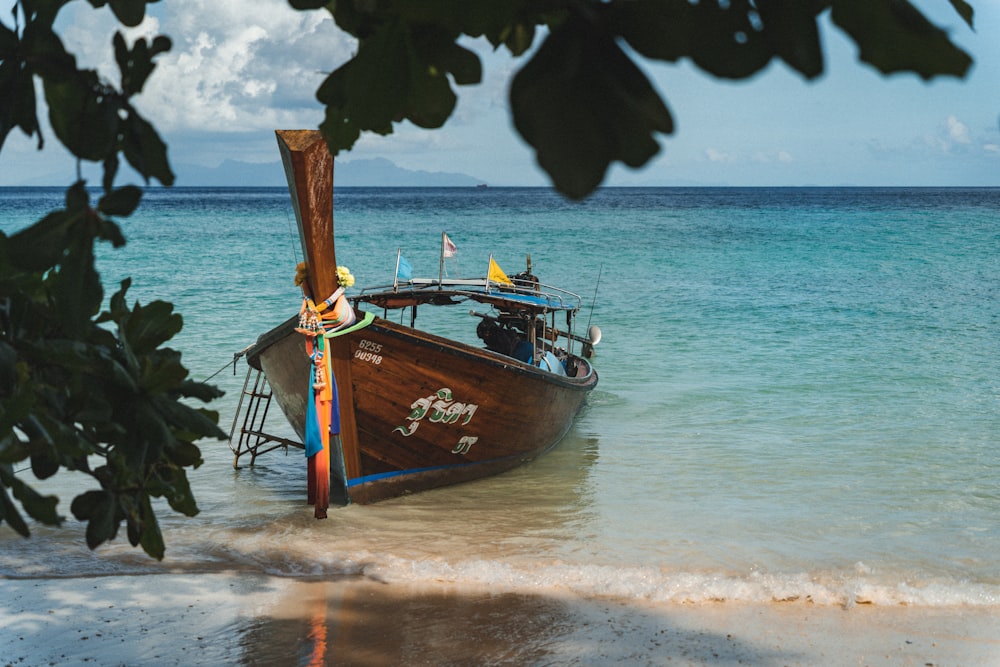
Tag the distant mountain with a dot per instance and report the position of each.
(353, 173)
(379, 171)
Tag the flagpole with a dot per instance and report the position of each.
(395, 276)
(441, 265)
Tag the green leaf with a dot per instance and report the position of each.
(177, 490)
(8, 372)
(718, 37)
(459, 16)
(162, 372)
(77, 198)
(85, 503)
(308, 4)
(38, 507)
(340, 132)
(41, 47)
(85, 120)
(582, 104)
(46, 10)
(8, 42)
(191, 422)
(790, 27)
(35, 431)
(10, 513)
(100, 510)
(17, 90)
(460, 62)
(76, 356)
(150, 537)
(133, 521)
(161, 44)
(77, 290)
(200, 390)
(378, 82)
(12, 450)
(41, 246)
(121, 202)
(111, 164)
(185, 454)
(108, 230)
(964, 10)
(145, 151)
(658, 29)
(431, 99)
(400, 71)
(137, 64)
(129, 12)
(118, 307)
(141, 452)
(150, 326)
(893, 36)
(44, 467)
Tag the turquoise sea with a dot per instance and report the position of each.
(799, 394)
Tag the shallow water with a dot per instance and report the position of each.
(799, 395)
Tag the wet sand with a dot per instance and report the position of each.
(236, 618)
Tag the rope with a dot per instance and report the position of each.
(232, 363)
(292, 235)
(594, 302)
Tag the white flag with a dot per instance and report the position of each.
(448, 249)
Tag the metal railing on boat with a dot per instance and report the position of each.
(540, 295)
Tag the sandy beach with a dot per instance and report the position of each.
(246, 618)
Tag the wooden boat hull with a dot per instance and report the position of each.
(429, 411)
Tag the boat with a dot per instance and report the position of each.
(411, 410)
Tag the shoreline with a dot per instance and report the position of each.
(253, 619)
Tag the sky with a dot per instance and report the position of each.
(236, 74)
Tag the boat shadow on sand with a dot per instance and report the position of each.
(256, 620)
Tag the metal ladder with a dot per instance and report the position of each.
(253, 440)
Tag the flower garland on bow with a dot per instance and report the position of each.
(327, 316)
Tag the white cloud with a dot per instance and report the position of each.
(236, 69)
(764, 157)
(233, 67)
(715, 155)
(957, 130)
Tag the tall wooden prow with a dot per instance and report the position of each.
(309, 170)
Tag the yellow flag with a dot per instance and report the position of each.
(496, 273)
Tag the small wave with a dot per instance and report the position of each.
(657, 585)
(289, 550)
(857, 586)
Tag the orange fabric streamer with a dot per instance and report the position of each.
(319, 463)
(317, 320)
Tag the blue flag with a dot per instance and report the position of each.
(404, 272)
